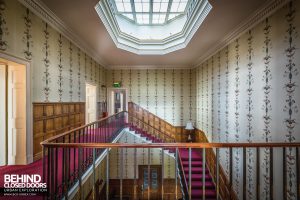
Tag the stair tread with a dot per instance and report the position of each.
(197, 162)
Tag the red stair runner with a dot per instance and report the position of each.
(196, 169)
(196, 174)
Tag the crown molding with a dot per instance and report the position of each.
(144, 67)
(42, 11)
(258, 16)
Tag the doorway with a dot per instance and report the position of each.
(117, 101)
(150, 183)
(91, 103)
(13, 113)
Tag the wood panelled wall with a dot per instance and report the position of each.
(177, 132)
(50, 119)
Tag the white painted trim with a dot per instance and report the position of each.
(111, 89)
(96, 100)
(3, 110)
(42, 11)
(29, 130)
(257, 17)
(138, 46)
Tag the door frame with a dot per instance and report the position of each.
(109, 100)
(29, 130)
(96, 100)
(140, 177)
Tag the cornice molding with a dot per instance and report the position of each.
(265, 11)
(42, 11)
(144, 67)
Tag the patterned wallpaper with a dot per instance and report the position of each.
(142, 159)
(249, 92)
(59, 68)
(168, 93)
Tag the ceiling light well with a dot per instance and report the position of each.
(135, 26)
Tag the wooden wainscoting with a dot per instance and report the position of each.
(50, 119)
(156, 122)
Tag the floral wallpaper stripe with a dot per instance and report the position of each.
(71, 73)
(46, 50)
(258, 83)
(79, 74)
(165, 92)
(56, 73)
(3, 26)
(27, 38)
(60, 68)
(249, 107)
(291, 104)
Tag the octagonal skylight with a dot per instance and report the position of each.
(154, 12)
(152, 27)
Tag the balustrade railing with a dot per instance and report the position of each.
(135, 122)
(65, 145)
(71, 158)
(63, 167)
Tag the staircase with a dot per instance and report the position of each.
(196, 167)
(197, 174)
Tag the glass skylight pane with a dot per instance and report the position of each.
(160, 9)
(138, 7)
(146, 7)
(163, 7)
(127, 7)
(174, 7)
(120, 6)
(139, 18)
(182, 6)
(162, 18)
(156, 7)
(146, 18)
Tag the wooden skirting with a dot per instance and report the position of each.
(50, 119)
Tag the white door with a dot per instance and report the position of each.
(3, 133)
(91, 106)
(16, 117)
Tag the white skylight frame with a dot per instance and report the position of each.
(131, 39)
(150, 12)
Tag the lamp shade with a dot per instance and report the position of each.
(189, 126)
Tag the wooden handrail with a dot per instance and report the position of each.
(172, 145)
(151, 113)
(78, 128)
(152, 127)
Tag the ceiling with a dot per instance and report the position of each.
(81, 17)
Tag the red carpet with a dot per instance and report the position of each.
(33, 168)
(196, 170)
